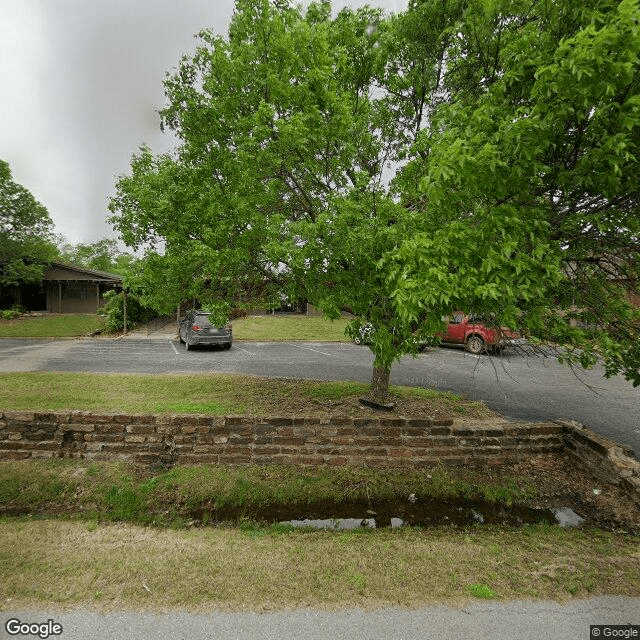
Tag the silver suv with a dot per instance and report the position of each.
(195, 329)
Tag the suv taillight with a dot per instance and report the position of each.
(196, 327)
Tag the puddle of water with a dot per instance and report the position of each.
(422, 513)
(563, 517)
(567, 517)
(335, 523)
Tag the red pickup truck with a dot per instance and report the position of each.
(477, 337)
(468, 330)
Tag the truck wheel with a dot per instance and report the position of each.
(475, 345)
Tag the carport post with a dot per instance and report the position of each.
(124, 305)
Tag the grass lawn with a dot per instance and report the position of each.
(122, 567)
(256, 328)
(119, 539)
(214, 394)
(67, 325)
(118, 491)
(286, 328)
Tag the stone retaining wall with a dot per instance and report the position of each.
(191, 439)
(240, 440)
(606, 459)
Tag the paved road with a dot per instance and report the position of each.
(519, 387)
(477, 621)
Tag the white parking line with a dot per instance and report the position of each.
(308, 349)
(173, 346)
(241, 349)
(464, 354)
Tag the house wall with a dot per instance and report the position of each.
(75, 296)
(76, 290)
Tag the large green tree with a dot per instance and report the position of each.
(510, 131)
(25, 233)
(278, 185)
(527, 180)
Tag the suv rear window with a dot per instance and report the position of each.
(201, 318)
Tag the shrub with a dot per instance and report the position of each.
(236, 313)
(113, 312)
(14, 312)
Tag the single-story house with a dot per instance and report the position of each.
(67, 288)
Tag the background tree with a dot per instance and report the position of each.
(529, 179)
(25, 233)
(103, 255)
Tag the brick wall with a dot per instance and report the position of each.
(190, 439)
(608, 460)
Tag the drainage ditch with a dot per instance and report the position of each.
(377, 514)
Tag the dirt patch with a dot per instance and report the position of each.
(408, 406)
(562, 481)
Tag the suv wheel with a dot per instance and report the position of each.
(475, 345)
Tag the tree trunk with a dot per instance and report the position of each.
(380, 382)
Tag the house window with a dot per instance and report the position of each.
(77, 291)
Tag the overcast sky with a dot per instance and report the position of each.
(80, 88)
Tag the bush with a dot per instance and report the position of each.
(113, 312)
(14, 312)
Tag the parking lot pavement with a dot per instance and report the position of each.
(168, 332)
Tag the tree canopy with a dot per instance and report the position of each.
(459, 156)
(277, 186)
(531, 180)
(25, 233)
(103, 255)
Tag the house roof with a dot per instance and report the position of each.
(61, 271)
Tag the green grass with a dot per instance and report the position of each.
(89, 518)
(214, 394)
(67, 325)
(479, 590)
(287, 328)
(115, 491)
